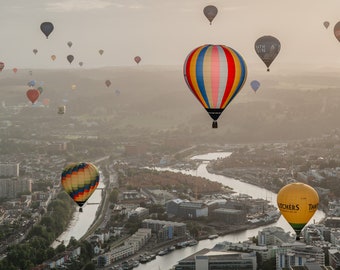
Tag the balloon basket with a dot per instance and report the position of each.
(214, 124)
(80, 210)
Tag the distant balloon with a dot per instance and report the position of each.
(46, 28)
(35, 51)
(137, 59)
(267, 48)
(30, 72)
(255, 85)
(40, 89)
(61, 109)
(31, 83)
(297, 202)
(107, 83)
(337, 31)
(214, 74)
(326, 24)
(53, 57)
(15, 70)
(101, 52)
(73, 87)
(117, 92)
(70, 58)
(46, 102)
(69, 44)
(2, 65)
(210, 12)
(33, 95)
(80, 180)
(81, 64)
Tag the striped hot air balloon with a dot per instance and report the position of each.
(214, 74)
(80, 181)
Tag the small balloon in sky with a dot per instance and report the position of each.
(70, 58)
(69, 44)
(101, 52)
(35, 51)
(137, 59)
(2, 65)
(326, 24)
(47, 28)
(210, 12)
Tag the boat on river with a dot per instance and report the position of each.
(213, 236)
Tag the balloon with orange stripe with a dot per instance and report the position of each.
(215, 74)
(80, 180)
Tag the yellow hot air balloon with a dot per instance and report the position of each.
(297, 203)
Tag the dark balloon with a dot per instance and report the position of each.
(137, 59)
(35, 51)
(267, 48)
(31, 83)
(108, 83)
(81, 64)
(326, 24)
(69, 44)
(210, 12)
(337, 31)
(255, 85)
(46, 28)
(40, 89)
(101, 52)
(2, 65)
(70, 58)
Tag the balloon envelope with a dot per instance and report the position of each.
(81, 64)
(32, 95)
(137, 59)
(70, 58)
(297, 202)
(15, 70)
(214, 74)
(40, 89)
(326, 24)
(46, 28)
(255, 85)
(69, 44)
(53, 57)
(61, 109)
(337, 31)
(107, 83)
(31, 83)
(2, 65)
(101, 52)
(267, 48)
(80, 180)
(210, 12)
(35, 51)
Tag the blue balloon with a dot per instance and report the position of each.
(255, 85)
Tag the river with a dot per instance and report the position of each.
(81, 221)
(167, 261)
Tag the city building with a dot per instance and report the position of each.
(192, 210)
(207, 259)
(9, 188)
(165, 229)
(9, 170)
(229, 216)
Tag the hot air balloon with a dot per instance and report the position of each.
(31, 83)
(107, 83)
(210, 12)
(255, 85)
(80, 181)
(33, 95)
(40, 89)
(101, 52)
(69, 44)
(214, 74)
(337, 31)
(61, 109)
(297, 202)
(137, 59)
(326, 24)
(73, 87)
(15, 70)
(70, 58)
(46, 28)
(35, 51)
(267, 48)
(81, 64)
(53, 57)
(2, 65)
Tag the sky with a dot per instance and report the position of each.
(163, 32)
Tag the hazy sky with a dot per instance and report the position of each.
(163, 32)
